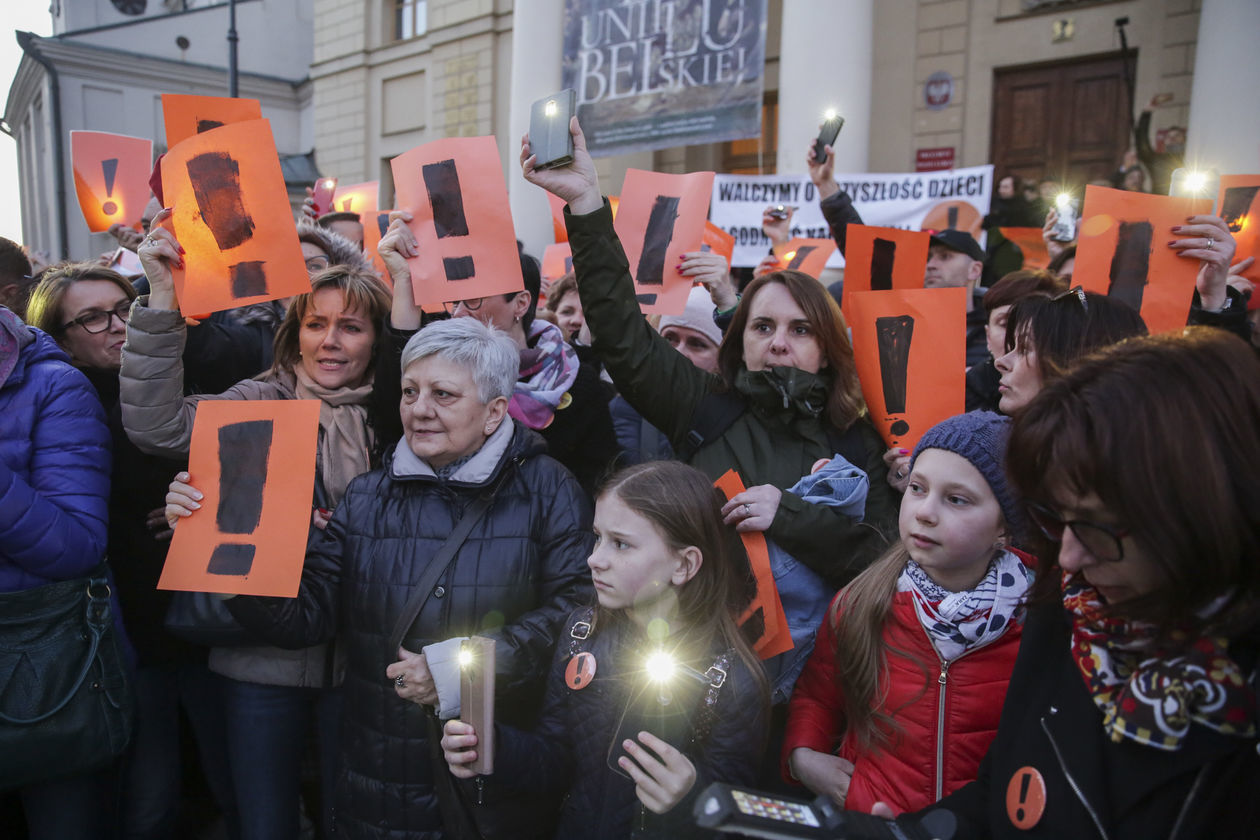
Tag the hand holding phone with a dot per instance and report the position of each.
(322, 195)
(827, 134)
(549, 137)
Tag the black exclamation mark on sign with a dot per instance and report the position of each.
(660, 229)
(883, 255)
(952, 218)
(1024, 781)
(568, 264)
(1130, 263)
(243, 451)
(441, 180)
(109, 168)
(205, 125)
(892, 337)
(382, 222)
(216, 182)
(1236, 205)
(798, 259)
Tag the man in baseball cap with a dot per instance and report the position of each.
(956, 259)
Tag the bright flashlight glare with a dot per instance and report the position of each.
(465, 658)
(1063, 199)
(1196, 181)
(550, 108)
(660, 666)
(329, 182)
(789, 256)
(829, 114)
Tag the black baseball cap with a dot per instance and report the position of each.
(957, 240)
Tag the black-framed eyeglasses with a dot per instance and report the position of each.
(472, 305)
(1076, 292)
(97, 320)
(1102, 541)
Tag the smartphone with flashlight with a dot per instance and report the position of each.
(827, 134)
(476, 697)
(322, 195)
(780, 211)
(1188, 183)
(664, 702)
(549, 137)
(1064, 229)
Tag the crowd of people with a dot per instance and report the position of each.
(1057, 591)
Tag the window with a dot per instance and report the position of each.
(410, 19)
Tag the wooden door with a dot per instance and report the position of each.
(1068, 120)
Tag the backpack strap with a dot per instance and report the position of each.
(707, 714)
(716, 412)
(580, 631)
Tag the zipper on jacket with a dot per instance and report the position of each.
(480, 784)
(943, 680)
(1093, 815)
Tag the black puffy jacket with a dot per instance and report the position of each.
(568, 752)
(522, 570)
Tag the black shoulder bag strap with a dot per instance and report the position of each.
(716, 412)
(443, 559)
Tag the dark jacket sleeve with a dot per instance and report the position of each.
(1142, 140)
(661, 383)
(219, 352)
(525, 646)
(839, 212)
(387, 383)
(540, 760)
(1233, 318)
(54, 525)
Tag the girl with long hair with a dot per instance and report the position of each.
(902, 694)
(669, 582)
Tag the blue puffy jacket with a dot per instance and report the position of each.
(54, 463)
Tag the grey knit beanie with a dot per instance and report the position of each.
(980, 437)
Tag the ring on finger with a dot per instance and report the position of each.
(747, 509)
(400, 681)
(1211, 243)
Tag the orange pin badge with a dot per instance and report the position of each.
(580, 671)
(1026, 798)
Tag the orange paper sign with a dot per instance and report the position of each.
(356, 198)
(233, 219)
(557, 261)
(375, 223)
(556, 203)
(661, 218)
(807, 255)
(1239, 204)
(187, 115)
(719, 242)
(766, 608)
(882, 258)
(910, 347)
(111, 177)
(1030, 243)
(461, 220)
(255, 462)
(1123, 252)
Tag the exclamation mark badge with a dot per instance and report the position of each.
(892, 337)
(441, 180)
(243, 451)
(1026, 797)
(109, 168)
(660, 230)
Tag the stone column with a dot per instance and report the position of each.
(1224, 125)
(825, 62)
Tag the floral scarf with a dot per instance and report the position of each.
(548, 370)
(957, 622)
(1147, 695)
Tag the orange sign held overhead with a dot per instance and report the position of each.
(1031, 244)
(807, 255)
(254, 461)
(233, 219)
(556, 203)
(186, 115)
(882, 258)
(557, 261)
(765, 613)
(375, 223)
(356, 198)
(111, 177)
(719, 242)
(1123, 253)
(462, 221)
(911, 351)
(661, 217)
(1239, 206)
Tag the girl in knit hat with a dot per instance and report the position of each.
(902, 694)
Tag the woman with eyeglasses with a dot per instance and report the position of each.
(556, 394)
(1131, 711)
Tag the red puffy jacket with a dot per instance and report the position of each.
(948, 715)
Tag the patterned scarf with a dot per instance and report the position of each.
(1153, 699)
(957, 622)
(548, 369)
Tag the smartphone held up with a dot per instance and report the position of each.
(549, 138)
(827, 134)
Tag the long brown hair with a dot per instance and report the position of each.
(1064, 329)
(686, 510)
(363, 292)
(844, 401)
(1162, 430)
